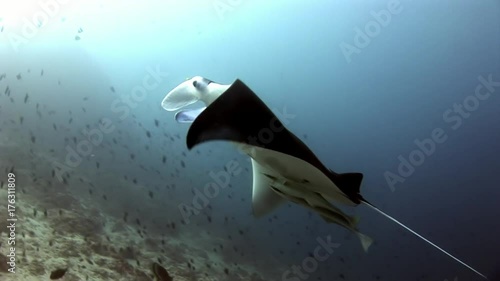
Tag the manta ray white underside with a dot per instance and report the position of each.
(283, 170)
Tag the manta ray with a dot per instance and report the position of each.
(284, 168)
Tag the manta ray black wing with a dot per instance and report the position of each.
(238, 115)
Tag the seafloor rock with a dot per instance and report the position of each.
(36, 268)
(101, 249)
(60, 200)
(122, 266)
(128, 253)
(84, 226)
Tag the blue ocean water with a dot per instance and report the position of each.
(406, 92)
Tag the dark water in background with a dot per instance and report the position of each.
(357, 112)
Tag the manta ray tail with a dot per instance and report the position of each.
(423, 238)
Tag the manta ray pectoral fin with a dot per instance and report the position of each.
(188, 115)
(239, 115)
(264, 198)
(236, 114)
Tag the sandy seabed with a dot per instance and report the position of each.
(94, 246)
(55, 229)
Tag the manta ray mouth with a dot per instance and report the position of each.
(188, 115)
(203, 83)
(207, 81)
